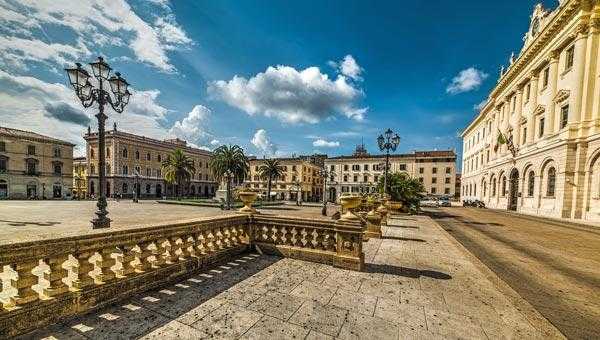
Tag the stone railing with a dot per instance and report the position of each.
(45, 281)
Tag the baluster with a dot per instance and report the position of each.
(82, 270)
(23, 284)
(201, 244)
(227, 237)
(274, 235)
(264, 235)
(304, 240)
(243, 235)
(284, 236)
(329, 241)
(105, 262)
(235, 237)
(187, 247)
(318, 242)
(143, 263)
(158, 253)
(167, 250)
(55, 276)
(295, 238)
(126, 256)
(219, 239)
(175, 252)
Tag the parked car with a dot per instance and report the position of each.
(445, 202)
(429, 202)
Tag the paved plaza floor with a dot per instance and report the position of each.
(419, 284)
(35, 220)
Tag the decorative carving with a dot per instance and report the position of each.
(539, 110)
(561, 95)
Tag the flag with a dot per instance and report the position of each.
(501, 140)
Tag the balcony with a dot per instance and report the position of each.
(107, 267)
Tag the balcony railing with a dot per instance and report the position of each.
(87, 272)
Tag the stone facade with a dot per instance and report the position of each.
(547, 104)
(360, 172)
(128, 154)
(79, 177)
(303, 170)
(34, 166)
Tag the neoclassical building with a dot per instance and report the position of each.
(135, 161)
(547, 106)
(360, 172)
(34, 166)
(301, 176)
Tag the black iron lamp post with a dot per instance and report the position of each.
(388, 141)
(89, 94)
(136, 186)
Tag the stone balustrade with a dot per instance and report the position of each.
(45, 281)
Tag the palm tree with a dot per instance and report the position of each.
(178, 169)
(270, 170)
(229, 162)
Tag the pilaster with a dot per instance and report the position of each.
(551, 123)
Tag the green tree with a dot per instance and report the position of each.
(403, 188)
(270, 170)
(178, 169)
(229, 162)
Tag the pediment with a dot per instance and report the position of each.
(539, 109)
(561, 95)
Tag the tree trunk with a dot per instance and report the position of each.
(228, 193)
(269, 189)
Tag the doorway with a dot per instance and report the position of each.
(513, 190)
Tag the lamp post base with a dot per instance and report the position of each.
(99, 223)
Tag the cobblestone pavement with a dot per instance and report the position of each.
(35, 220)
(554, 266)
(419, 284)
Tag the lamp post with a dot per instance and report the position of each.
(89, 94)
(386, 142)
(325, 174)
(136, 185)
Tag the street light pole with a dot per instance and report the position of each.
(325, 174)
(88, 95)
(386, 142)
(136, 186)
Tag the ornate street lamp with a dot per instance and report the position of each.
(89, 94)
(136, 186)
(386, 142)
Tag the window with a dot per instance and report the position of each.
(487, 156)
(107, 152)
(564, 116)
(2, 146)
(545, 77)
(332, 168)
(448, 170)
(158, 173)
(570, 54)
(31, 167)
(433, 190)
(125, 170)
(421, 170)
(527, 92)
(345, 167)
(524, 140)
(434, 170)
(503, 191)
(124, 153)
(421, 180)
(57, 169)
(293, 168)
(148, 172)
(125, 188)
(159, 158)
(376, 178)
(366, 167)
(3, 164)
(57, 152)
(447, 180)
(530, 183)
(355, 178)
(92, 169)
(433, 180)
(541, 130)
(551, 185)
(365, 178)
(107, 169)
(137, 154)
(494, 187)
(148, 157)
(31, 149)
(148, 188)
(355, 167)
(402, 167)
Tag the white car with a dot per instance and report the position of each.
(430, 202)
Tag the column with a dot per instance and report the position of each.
(579, 68)
(517, 119)
(550, 123)
(533, 94)
(595, 56)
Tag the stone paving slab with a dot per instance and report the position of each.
(411, 289)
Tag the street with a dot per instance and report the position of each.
(552, 265)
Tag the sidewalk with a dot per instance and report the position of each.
(419, 283)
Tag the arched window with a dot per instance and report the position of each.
(530, 183)
(107, 167)
(124, 152)
(551, 186)
(148, 156)
(125, 188)
(484, 189)
(57, 168)
(159, 158)
(137, 154)
(503, 191)
(494, 187)
(108, 152)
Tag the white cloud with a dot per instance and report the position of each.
(193, 127)
(215, 142)
(262, 142)
(345, 134)
(479, 107)
(348, 67)
(466, 80)
(292, 96)
(110, 23)
(321, 143)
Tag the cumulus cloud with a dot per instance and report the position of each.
(467, 80)
(263, 143)
(67, 113)
(321, 143)
(348, 67)
(215, 142)
(109, 22)
(193, 127)
(290, 95)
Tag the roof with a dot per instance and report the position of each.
(414, 154)
(31, 136)
(168, 143)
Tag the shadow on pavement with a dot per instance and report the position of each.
(398, 238)
(26, 223)
(405, 271)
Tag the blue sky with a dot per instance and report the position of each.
(275, 77)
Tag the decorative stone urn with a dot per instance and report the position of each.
(349, 203)
(373, 224)
(248, 197)
(382, 210)
(396, 206)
